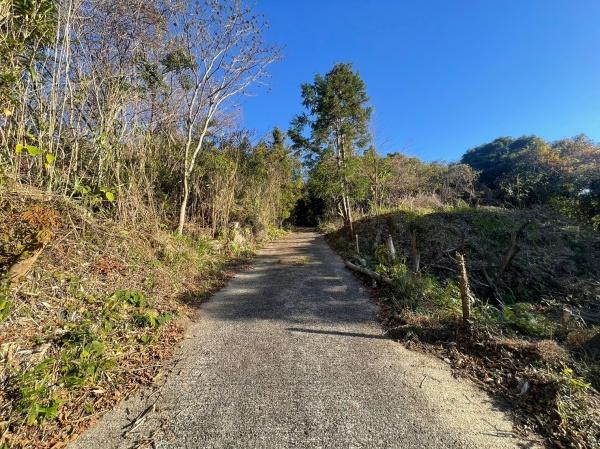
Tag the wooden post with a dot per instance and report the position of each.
(357, 247)
(391, 249)
(465, 291)
(566, 318)
(416, 256)
(377, 239)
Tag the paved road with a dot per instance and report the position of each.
(289, 354)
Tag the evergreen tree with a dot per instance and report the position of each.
(337, 117)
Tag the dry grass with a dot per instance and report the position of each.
(96, 317)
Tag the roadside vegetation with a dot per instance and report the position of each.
(493, 263)
(128, 192)
(96, 315)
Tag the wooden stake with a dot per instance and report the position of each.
(416, 256)
(357, 247)
(390, 247)
(465, 291)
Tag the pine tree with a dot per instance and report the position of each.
(338, 117)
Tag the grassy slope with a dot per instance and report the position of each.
(557, 257)
(94, 317)
(523, 347)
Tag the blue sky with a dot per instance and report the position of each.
(444, 75)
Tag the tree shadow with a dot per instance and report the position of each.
(551, 252)
(337, 333)
(292, 282)
(199, 292)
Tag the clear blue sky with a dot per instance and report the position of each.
(443, 75)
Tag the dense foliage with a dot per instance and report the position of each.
(529, 171)
(129, 107)
(345, 172)
(379, 183)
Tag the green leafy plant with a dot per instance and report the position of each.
(151, 318)
(37, 400)
(94, 196)
(523, 318)
(85, 363)
(133, 298)
(5, 307)
(32, 150)
(568, 378)
(109, 195)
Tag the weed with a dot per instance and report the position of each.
(524, 318)
(133, 298)
(275, 233)
(5, 307)
(573, 383)
(203, 246)
(151, 318)
(84, 364)
(419, 291)
(36, 401)
(146, 338)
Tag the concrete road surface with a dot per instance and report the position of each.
(290, 355)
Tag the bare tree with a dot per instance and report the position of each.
(218, 53)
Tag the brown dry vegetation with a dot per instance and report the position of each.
(96, 314)
(533, 341)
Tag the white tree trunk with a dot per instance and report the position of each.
(184, 202)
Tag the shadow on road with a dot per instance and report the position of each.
(298, 280)
(343, 334)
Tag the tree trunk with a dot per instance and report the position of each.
(349, 222)
(347, 211)
(184, 202)
(341, 163)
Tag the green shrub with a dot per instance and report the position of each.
(419, 291)
(133, 298)
(203, 245)
(522, 317)
(151, 318)
(84, 364)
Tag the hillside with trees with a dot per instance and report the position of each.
(529, 171)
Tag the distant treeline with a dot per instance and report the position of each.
(128, 106)
(529, 171)
(346, 174)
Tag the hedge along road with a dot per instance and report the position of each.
(290, 354)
